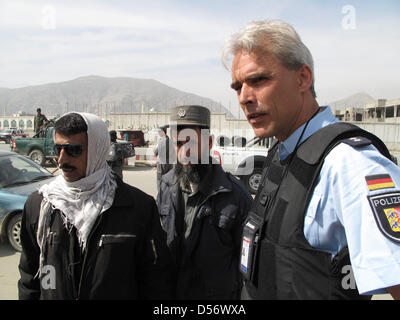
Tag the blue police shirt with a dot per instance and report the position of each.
(341, 210)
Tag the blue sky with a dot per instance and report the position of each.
(179, 42)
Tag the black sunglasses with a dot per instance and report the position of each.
(73, 150)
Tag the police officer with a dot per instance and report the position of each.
(165, 154)
(39, 120)
(202, 209)
(325, 221)
(115, 158)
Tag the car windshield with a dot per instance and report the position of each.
(7, 131)
(17, 170)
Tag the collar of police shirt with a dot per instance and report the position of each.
(320, 120)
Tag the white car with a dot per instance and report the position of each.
(244, 160)
(8, 134)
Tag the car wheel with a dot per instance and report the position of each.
(14, 232)
(8, 140)
(37, 156)
(253, 180)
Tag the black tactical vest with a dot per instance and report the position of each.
(282, 264)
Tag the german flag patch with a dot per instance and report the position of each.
(379, 181)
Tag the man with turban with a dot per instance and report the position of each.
(87, 234)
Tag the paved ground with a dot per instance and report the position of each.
(141, 176)
(9, 274)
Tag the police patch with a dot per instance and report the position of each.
(386, 209)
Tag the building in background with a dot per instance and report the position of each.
(381, 117)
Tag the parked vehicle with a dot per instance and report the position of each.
(241, 158)
(8, 134)
(19, 177)
(134, 136)
(39, 148)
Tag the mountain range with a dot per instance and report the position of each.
(357, 100)
(101, 95)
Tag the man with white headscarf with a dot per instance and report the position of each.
(87, 234)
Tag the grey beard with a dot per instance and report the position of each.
(191, 174)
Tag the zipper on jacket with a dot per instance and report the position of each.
(154, 251)
(105, 237)
(85, 256)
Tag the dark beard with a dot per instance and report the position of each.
(193, 173)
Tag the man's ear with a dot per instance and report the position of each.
(210, 141)
(304, 78)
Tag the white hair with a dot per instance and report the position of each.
(283, 42)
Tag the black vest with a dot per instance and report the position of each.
(284, 265)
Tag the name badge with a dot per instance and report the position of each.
(250, 240)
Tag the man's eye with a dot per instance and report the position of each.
(178, 143)
(258, 80)
(236, 86)
(237, 89)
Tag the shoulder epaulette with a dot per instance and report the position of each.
(357, 142)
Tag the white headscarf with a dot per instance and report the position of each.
(82, 201)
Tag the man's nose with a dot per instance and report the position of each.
(246, 95)
(62, 156)
(184, 151)
(188, 152)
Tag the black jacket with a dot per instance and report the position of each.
(126, 256)
(208, 260)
